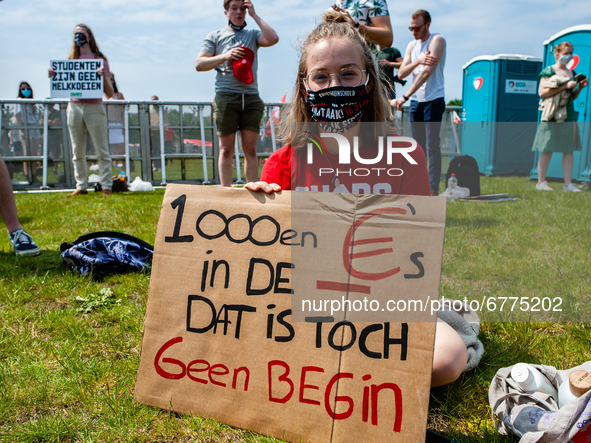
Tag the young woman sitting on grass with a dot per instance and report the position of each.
(338, 86)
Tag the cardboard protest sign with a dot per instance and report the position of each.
(219, 338)
(76, 79)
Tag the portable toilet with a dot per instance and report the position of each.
(500, 100)
(580, 37)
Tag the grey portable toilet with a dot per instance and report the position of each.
(500, 100)
(580, 37)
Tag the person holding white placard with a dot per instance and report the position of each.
(89, 115)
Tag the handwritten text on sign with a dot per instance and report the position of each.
(76, 79)
(220, 341)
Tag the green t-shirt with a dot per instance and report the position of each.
(390, 54)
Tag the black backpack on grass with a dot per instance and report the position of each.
(466, 170)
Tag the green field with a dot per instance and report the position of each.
(68, 367)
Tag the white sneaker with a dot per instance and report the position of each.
(571, 188)
(544, 186)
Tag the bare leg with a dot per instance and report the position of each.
(543, 164)
(449, 357)
(7, 204)
(225, 160)
(249, 147)
(567, 167)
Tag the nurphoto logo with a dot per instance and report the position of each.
(345, 149)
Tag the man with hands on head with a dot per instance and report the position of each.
(425, 59)
(231, 51)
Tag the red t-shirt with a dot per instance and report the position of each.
(290, 170)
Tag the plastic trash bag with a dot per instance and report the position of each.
(139, 185)
(455, 193)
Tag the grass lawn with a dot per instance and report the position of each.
(67, 375)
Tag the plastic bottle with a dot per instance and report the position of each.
(529, 379)
(577, 383)
(452, 182)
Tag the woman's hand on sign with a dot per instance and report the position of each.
(269, 188)
(571, 84)
(234, 54)
(51, 72)
(583, 83)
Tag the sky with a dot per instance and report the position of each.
(152, 44)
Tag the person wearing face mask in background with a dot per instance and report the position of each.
(338, 87)
(30, 139)
(232, 52)
(22, 242)
(557, 132)
(89, 115)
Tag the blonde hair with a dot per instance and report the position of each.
(75, 49)
(558, 48)
(378, 110)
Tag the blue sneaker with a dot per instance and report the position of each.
(23, 243)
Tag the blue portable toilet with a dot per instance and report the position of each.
(500, 100)
(580, 37)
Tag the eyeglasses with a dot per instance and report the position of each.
(416, 28)
(350, 76)
(25, 89)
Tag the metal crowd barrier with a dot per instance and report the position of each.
(159, 141)
(450, 133)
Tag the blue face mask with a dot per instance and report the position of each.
(27, 92)
(80, 39)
